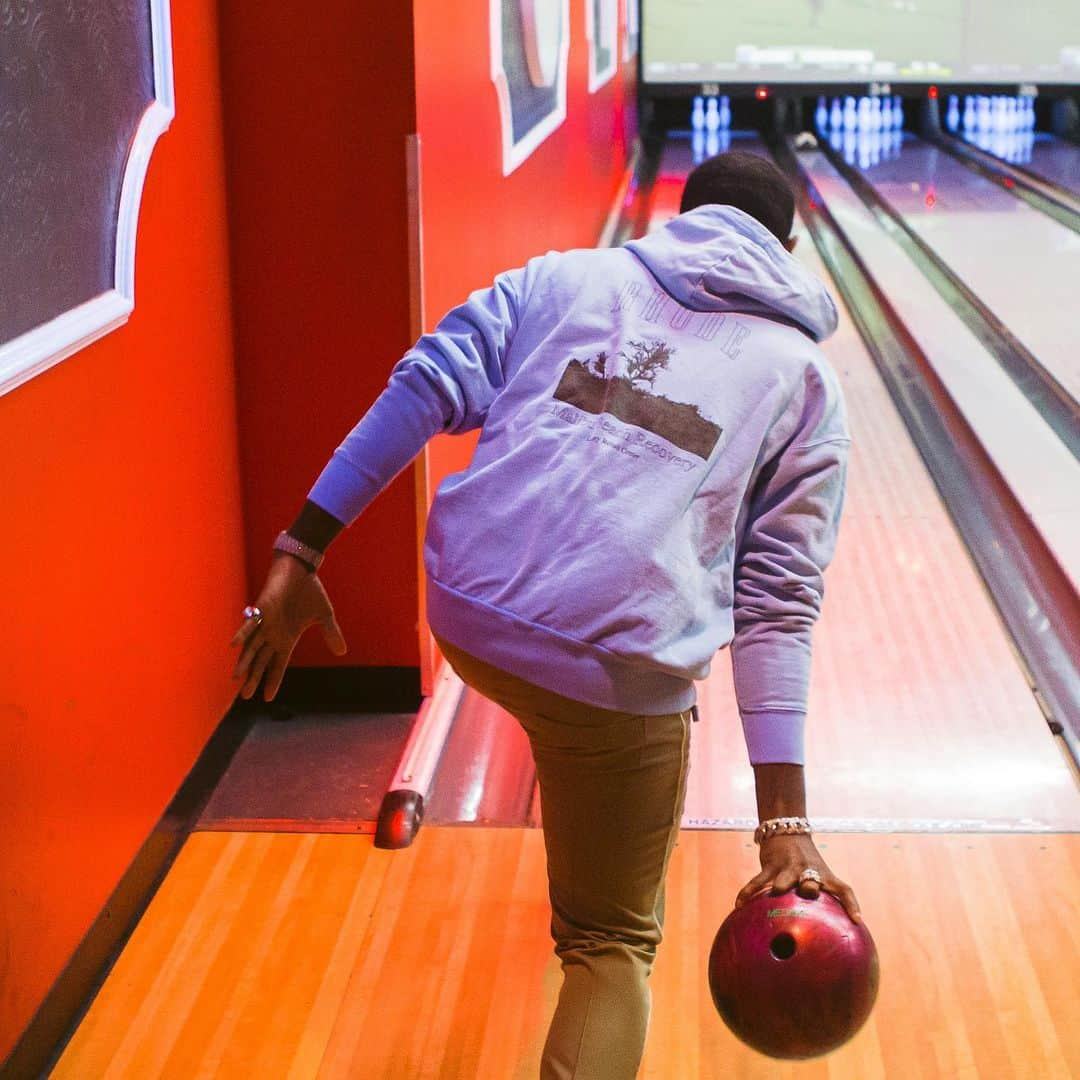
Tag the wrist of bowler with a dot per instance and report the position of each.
(783, 858)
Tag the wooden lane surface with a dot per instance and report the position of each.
(293, 956)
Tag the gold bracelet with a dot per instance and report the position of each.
(781, 825)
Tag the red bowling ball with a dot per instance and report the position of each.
(793, 978)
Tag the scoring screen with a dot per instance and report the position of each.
(821, 41)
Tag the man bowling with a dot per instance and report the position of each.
(660, 473)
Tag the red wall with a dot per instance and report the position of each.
(131, 492)
(317, 112)
(476, 222)
(123, 559)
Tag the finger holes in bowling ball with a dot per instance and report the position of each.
(782, 946)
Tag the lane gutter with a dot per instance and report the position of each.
(1051, 188)
(1048, 198)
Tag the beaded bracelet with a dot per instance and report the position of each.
(307, 555)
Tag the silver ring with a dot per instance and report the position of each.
(810, 874)
(251, 612)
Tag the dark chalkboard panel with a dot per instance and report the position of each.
(76, 76)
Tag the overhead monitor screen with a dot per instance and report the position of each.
(822, 41)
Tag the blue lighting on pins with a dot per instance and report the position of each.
(710, 123)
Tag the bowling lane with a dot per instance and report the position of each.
(920, 717)
(1057, 161)
(1047, 156)
(1022, 264)
(1034, 462)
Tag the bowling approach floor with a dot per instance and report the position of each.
(936, 786)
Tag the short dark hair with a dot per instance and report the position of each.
(750, 182)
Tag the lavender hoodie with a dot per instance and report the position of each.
(661, 471)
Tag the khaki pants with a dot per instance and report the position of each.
(612, 788)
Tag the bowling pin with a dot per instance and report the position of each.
(836, 115)
(697, 115)
(712, 115)
(712, 143)
(952, 117)
(875, 114)
(897, 111)
(851, 118)
(821, 116)
(886, 114)
(864, 114)
(969, 114)
(725, 112)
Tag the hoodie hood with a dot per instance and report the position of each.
(718, 258)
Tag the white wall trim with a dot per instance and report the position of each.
(603, 77)
(513, 154)
(631, 30)
(40, 348)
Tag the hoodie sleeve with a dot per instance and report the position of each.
(445, 383)
(790, 539)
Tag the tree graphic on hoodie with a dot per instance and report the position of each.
(594, 387)
(646, 360)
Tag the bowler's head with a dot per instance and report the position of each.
(747, 181)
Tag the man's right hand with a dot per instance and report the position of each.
(783, 858)
(292, 599)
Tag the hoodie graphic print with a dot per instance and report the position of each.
(660, 471)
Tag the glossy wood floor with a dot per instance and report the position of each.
(286, 955)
